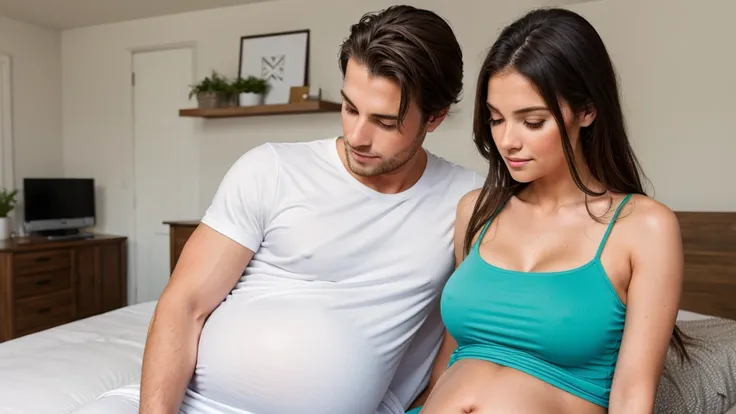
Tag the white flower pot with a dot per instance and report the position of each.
(250, 99)
(4, 228)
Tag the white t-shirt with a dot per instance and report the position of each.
(329, 316)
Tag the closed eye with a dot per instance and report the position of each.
(534, 125)
(353, 111)
(528, 124)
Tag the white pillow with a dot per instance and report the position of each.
(685, 315)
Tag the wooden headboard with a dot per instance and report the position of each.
(709, 240)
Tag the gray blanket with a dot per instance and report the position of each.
(706, 384)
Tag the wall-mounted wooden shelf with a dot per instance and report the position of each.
(306, 107)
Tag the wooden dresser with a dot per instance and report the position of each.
(179, 232)
(49, 283)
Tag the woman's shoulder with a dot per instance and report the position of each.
(468, 200)
(650, 228)
(647, 214)
(466, 204)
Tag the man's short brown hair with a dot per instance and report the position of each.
(414, 47)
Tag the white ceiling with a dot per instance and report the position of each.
(67, 14)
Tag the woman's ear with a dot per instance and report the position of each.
(587, 116)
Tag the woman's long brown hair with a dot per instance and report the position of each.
(560, 53)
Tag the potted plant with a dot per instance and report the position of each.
(7, 204)
(213, 91)
(250, 90)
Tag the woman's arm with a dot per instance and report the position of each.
(653, 300)
(462, 217)
(438, 368)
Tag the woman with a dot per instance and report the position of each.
(569, 280)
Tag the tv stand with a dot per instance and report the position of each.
(64, 234)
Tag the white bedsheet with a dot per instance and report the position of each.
(58, 370)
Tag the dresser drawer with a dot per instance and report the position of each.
(42, 283)
(43, 311)
(40, 262)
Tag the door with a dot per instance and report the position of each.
(166, 161)
(6, 139)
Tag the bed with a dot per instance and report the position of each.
(708, 315)
(59, 370)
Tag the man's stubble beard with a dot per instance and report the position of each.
(385, 166)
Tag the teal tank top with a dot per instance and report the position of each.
(564, 328)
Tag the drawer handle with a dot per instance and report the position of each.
(43, 282)
(44, 310)
(42, 259)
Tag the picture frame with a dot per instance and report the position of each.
(281, 58)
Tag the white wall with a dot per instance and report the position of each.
(97, 91)
(677, 60)
(35, 55)
(673, 57)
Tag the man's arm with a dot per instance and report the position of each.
(212, 261)
(208, 268)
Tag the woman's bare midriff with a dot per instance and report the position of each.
(480, 387)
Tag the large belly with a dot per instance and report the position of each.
(479, 387)
(271, 355)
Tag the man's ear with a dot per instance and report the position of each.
(435, 120)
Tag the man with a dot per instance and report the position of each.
(312, 284)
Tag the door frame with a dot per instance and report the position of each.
(133, 227)
(7, 172)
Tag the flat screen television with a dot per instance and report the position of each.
(58, 207)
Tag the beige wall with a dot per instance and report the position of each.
(673, 57)
(677, 60)
(35, 55)
(97, 91)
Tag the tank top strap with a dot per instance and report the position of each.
(610, 225)
(483, 232)
(487, 225)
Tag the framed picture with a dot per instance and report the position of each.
(282, 59)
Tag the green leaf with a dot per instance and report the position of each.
(7, 201)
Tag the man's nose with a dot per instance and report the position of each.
(361, 136)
